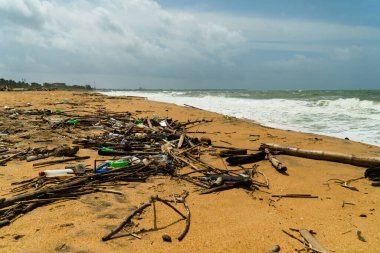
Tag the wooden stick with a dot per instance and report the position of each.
(149, 123)
(170, 205)
(187, 150)
(295, 196)
(154, 216)
(220, 188)
(315, 245)
(49, 199)
(5, 160)
(29, 195)
(110, 191)
(181, 139)
(61, 161)
(292, 236)
(324, 155)
(275, 162)
(186, 230)
(4, 222)
(126, 221)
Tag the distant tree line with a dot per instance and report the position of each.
(12, 85)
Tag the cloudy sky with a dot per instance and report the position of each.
(252, 44)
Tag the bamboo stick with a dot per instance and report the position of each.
(361, 161)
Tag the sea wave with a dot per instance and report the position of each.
(333, 115)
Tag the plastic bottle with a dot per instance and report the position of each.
(107, 149)
(118, 164)
(57, 173)
(102, 168)
(73, 121)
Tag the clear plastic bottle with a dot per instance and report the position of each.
(57, 173)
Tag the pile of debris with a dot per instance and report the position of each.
(137, 148)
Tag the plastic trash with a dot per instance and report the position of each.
(69, 170)
(119, 164)
(134, 160)
(73, 121)
(102, 168)
(164, 123)
(107, 149)
(79, 168)
(57, 173)
(115, 135)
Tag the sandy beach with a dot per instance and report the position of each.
(234, 220)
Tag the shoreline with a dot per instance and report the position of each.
(314, 114)
(235, 219)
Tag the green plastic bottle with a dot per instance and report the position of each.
(73, 121)
(118, 164)
(107, 149)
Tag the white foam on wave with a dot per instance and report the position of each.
(352, 118)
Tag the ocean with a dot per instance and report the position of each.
(354, 114)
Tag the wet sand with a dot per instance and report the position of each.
(235, 220)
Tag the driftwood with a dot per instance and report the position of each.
(373, 173)
(324, 155)
(187, 227)
(231, 152)
(59, 151)
(244, 159)
(151, 202)
(220, 188)
(60, 161)
(29, 195)
(5, 160)
(181, 139)
(126, 221)
(275, 162)
(50, 190)
(315, 245)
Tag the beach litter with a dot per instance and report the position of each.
(138, 149)
(135, 149)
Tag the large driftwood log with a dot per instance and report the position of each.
(324, 155)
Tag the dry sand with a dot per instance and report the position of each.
(231, 221)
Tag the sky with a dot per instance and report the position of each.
(193, 44)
